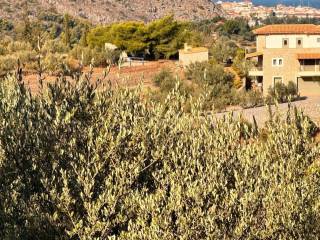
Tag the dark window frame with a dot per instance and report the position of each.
(301, 42)
(285, 40)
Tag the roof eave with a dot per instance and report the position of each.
(280, 33)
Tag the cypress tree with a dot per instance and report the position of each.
(27, 29)
(66, 25)
(83, 39)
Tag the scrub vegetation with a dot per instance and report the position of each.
(88, 162)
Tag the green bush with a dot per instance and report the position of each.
(282, 92)
(9, 62)
(54, 47)
(236, 27)
(224, 50)
(241, 65)
(165, 80)
(78, 162)
(87, 55)
(16, 46)
(292, 89)
(250, 99)
(216, 84)
(11, 51)
(114, 56)
(210, 74)
(54, 63)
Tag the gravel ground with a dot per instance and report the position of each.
(310, 106)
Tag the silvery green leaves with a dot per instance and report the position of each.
(79, 162)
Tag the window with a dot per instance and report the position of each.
(285, 42)
(274, 62)
(280, 61)
(299, 42)
(277, 62)
(277, 80)
(318, 40)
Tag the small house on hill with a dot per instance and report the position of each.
(190, 55)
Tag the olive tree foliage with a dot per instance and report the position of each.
(83, 161)
(215, 82)
(224, 50)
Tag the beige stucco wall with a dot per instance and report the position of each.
(261, 43)
(288, 71)
(308, 41)
(309, 86)
(187, 58)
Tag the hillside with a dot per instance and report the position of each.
(106, 11)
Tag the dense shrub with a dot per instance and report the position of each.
(84, 163)
(210, 74)
(240, 64)
(282, 92)
(54, 64)
(87, 55)
(16, 46)
(236, 27)
(292, 89)
(13, 51)
(216, 84)
(114, 57)
(54, 46)
(223, 50)
(53, 54)
(9, 62)
(250, 99)
(6, 25)
(166, 81)
(81, 163)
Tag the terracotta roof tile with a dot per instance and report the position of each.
(288, 29)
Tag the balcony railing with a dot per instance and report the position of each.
(256, 68)
(250, 50)
(309, 68)
(256, 71)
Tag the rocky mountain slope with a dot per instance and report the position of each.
(106, 11)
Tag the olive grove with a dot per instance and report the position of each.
(85, 161)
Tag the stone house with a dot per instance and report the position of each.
(190, 55)
(287, 52)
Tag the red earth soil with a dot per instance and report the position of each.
(126, 76)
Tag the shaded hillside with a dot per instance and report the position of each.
(105, 11)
